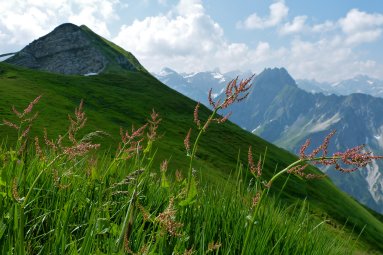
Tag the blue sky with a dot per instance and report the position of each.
(323, 40)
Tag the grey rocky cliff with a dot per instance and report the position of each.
(66, 50)
(70, 49)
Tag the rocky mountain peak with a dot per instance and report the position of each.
(276, 77)
(70, 49)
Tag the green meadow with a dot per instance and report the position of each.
(62, 195)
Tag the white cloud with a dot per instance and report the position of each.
(356, 21)
(189, 7)
(297, 26)
(327, 60)
(23, 21)
(361, 27)
(186, 39)
(278, 11)
(324, 27)
(364, 36)
(88, 16)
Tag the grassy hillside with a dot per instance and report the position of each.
(113, 101)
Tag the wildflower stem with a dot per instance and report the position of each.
(284, 171)
(194, 150)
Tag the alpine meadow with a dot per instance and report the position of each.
(97, 156)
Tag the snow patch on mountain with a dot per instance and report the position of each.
(255, 129)
(219, 77)
(322, 125)
(90, 74)
(187, 76)
(375, 181)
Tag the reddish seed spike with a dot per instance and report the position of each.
(242, 98)
(251, 161)
(18, 114)
(196, 119)
(325, 143)
(25, 133)
(187, 141)
(225, 118)
(153, 125)
(211, 102)
(234, 93)
(259, 167)
(353, 158)
(122, 135)
(164, 166)
(255, 199)
(30, 106)
(15, 192)
(10, 124)
(302, 151)
(206, 124)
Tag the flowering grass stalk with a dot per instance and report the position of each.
(346, 162)
(235, 92)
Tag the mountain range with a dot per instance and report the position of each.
(280, 111)
(359, 84)
(196, 85)
(121, 93)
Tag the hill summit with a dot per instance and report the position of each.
(71, 49)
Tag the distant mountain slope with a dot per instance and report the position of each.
(280, 112)
(193, 85)
(70, 49)
(196, 85)
(359, 84)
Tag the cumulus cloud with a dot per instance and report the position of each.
(356, 21)
(278, 11)
(361, 27)
(327, 59)
(194, 34)
(186, 39)
(296, 26)
(24, 21)
(324, 27)
(189, 7)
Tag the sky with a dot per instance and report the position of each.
(324, 40)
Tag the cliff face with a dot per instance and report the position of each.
(66, 50)
(70, 49)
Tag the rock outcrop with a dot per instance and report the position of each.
(70, 49)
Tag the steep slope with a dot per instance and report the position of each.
(70, 49)
(280, 112)
(112, 101)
